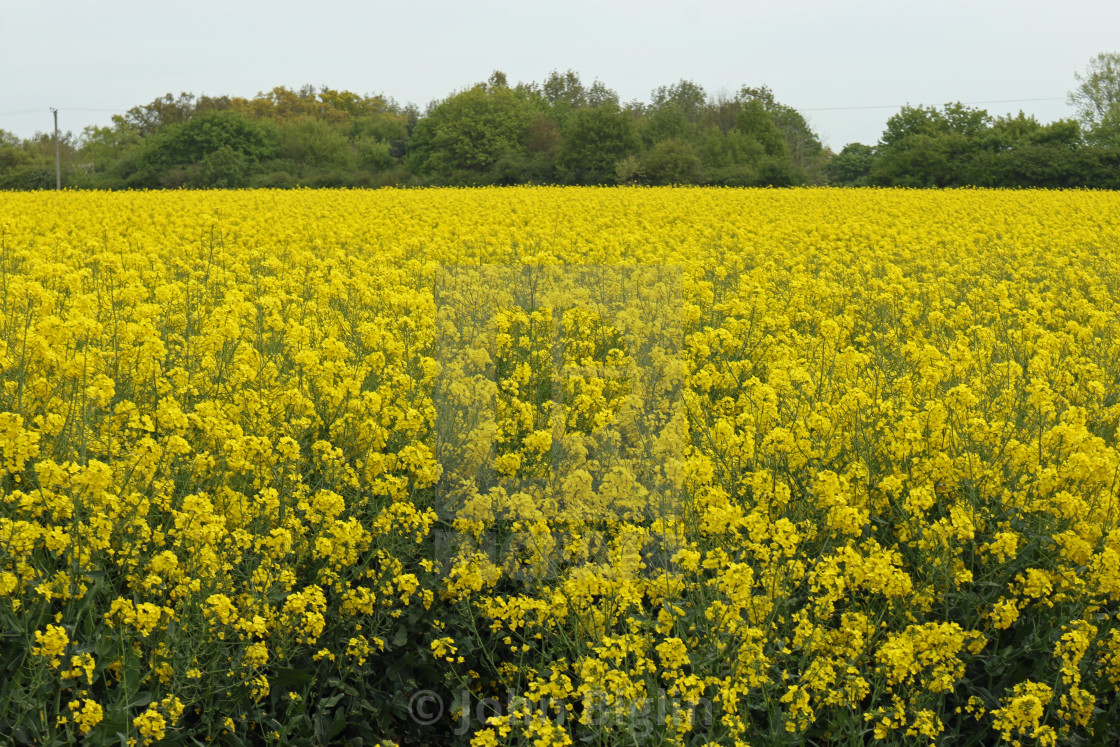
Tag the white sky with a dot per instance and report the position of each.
(93, 59)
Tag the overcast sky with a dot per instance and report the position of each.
(830, 59)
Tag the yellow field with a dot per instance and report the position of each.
(543, 465)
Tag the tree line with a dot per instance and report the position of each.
(563, 131)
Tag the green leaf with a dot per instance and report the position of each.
(141, 700)
(332, 701)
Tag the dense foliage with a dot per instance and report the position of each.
(559, 465)
(564, 132)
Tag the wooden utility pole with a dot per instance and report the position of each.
(57, 162)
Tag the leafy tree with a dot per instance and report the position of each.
(685, 96)
(1100, 166)
(1097, 98)
(1064, 133)
(104, 155)
(672, 161)
(964, 120)
(721, 150)
(595, 140)
(777, 172)
(222, 168)
(390, 129)
(191, 141)
(754, 121)
(1008, 133)
(497, 79)
(951, 119)
(356, 105)
(803, 147)
(930, 147)
(543, 142)
(470, 131)
(1029, 165)
(565, 93)
(167, 110)
(101, 145)
(922, 160)
(1018, 151)
(235, 145)
(665, 123)
(675, 112)
(564, 89)
(314, 142)
(374, 155)
(23, 165)
(600, 95)
(720, 113)
(30, 163)
(544, 137)
(851, 167)
(629, 171)
(285, 103)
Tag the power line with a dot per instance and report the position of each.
(25, 111)
(899, 106)
(60, 108)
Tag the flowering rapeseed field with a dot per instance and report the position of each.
(559, 465)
